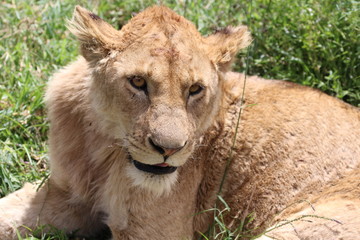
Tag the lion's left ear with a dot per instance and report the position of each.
(224, 44)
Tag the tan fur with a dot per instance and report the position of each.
(293, 142)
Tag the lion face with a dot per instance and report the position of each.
(158, 99)
(155, 87)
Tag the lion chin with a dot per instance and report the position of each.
(157, 179)
(158, 184)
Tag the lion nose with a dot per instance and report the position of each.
(165, 151)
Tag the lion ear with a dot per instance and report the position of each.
(96, 36)
(224, 44)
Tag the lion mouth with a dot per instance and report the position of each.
(158, 169)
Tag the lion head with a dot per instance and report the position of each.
(155, 86)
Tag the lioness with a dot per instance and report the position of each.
(144, 124)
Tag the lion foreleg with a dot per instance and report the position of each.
(19, 212)
(47, 207)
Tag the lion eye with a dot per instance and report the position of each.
(195, 89)
(137, 82)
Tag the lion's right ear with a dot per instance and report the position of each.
(96, 36)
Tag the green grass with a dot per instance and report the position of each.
(315, 43)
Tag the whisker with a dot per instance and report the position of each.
(138, 146)
(115, 145)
